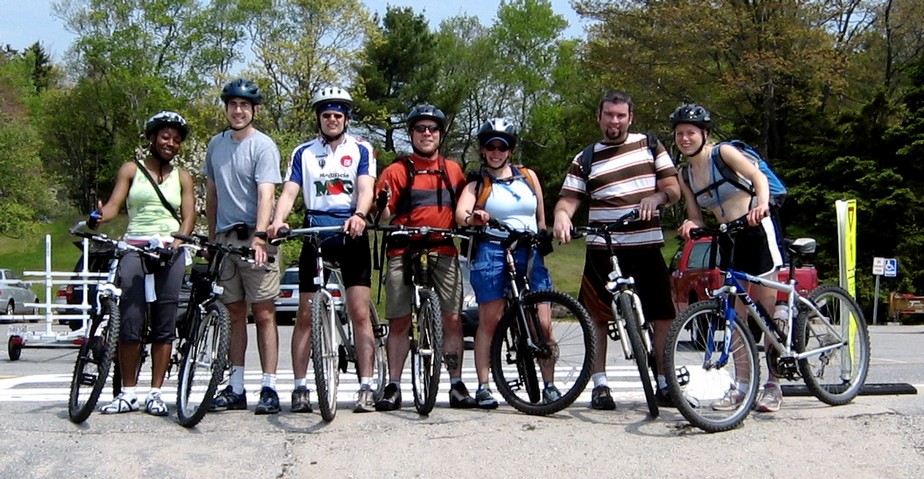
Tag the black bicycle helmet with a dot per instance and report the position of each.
(429, 112)
(165, 119)
(498, 128)
(332, 96)
(242, 88)
(692, 114)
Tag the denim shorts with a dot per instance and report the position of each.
(489, 273)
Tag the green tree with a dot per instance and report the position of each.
(399, 70)
(24, 184)
(302, 46)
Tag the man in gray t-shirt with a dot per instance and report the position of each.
(242, 169)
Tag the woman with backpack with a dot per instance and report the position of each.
(704, 186)
(512, 195)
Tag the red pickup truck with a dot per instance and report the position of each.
(691, 276)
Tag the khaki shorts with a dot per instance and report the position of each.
(244, 281)
(444, 276)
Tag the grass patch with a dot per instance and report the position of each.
(28, 253)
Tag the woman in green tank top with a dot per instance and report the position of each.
(150, 218)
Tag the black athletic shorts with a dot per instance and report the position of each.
(352, 254)
(652, 282)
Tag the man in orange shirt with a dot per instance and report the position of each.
(422, 189)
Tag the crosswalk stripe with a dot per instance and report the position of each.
(623, 380)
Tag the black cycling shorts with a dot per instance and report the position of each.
(352, 254)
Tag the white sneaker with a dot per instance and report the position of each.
(122, 403)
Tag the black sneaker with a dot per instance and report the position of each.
(601, 399)
(459, 397)
(663, 398)
(226, 400)
(301, 400)
(269, 402)
(391, 398)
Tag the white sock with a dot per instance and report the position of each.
(237, 379)
(301, 383)
(365, 381)
(129, 391)
(599, 379)
(154, 392)
(662, 382)
(269, 381)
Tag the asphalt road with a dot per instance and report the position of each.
(875, 436)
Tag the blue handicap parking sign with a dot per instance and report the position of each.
(891, 268)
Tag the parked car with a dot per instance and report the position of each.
(287, 301)
(14, 294)
(98, 262)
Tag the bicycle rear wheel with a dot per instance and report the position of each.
(204, 360)
(837, 375)
(325, 351)
(640, 352)
(712, 396)
(427, 353)
(94, 359)
(566, 360)
(380, 335)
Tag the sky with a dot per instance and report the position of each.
(32, 20)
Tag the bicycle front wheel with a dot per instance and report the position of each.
(204, 360)
(94, 359)
(520, 370)
(836, 375)
(427, 353)
(640, 353)
(713, 394)
(325, 353)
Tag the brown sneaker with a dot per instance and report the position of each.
(770, 399)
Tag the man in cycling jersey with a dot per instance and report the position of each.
(336, 171)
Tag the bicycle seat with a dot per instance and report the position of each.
(801, 246)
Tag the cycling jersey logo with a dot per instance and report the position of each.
(333, 187)
(346, 161)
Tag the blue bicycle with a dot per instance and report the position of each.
(711, 359)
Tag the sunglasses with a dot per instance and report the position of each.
(423, 128)
(329, 115)
(493, 147)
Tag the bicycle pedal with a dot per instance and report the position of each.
(612, 331)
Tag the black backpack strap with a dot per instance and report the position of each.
(587, 158)
(728, 174)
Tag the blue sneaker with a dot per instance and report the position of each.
(226, 400)
(269, 402)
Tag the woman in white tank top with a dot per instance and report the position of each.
(515, 199)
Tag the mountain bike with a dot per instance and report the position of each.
(628, 326)
(823, 340)
(99, 344)
(332, 344)
(426, 332)
(205, 332)
(542, 336)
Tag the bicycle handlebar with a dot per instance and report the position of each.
(201, 242)
(729, 228)
(419, 230)
(285, 234)
(602, 229)
(158, 252)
